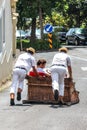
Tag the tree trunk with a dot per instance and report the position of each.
(78, 18)
(41, 21)
(33, 29)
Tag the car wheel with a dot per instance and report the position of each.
(76, 42)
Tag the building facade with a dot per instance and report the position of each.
(8, 19)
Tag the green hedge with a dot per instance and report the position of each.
(39, 44)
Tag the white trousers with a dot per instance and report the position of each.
(18, 79)
(58, 74)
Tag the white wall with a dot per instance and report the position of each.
(5, 40)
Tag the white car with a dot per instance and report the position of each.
(20, 34)
(38, 34)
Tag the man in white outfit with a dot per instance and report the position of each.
(61, 62)
(23, 64)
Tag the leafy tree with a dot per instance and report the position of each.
(76, 12)
(58, 12)
(73, 11)
(33, 9)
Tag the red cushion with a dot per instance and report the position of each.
(41, 73)
(31, 73)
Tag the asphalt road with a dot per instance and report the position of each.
(49, 117)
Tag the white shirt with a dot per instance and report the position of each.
(62, 59)
(25, 60)
(41, 70)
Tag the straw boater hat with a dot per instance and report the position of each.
(30, 49)
(64, 49)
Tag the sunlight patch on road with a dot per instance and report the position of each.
(84, 68)
(79, 58)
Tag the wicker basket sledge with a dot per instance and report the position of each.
(41, 91)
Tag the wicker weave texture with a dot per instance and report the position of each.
(41, 90)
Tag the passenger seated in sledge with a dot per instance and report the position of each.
(41, 63)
